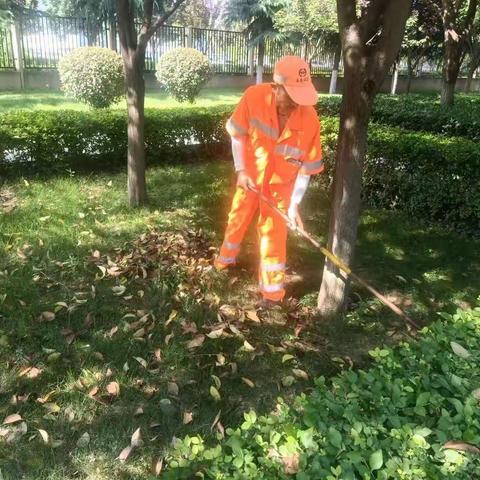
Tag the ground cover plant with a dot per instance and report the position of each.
(112, 321)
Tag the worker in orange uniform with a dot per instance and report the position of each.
(275, 134)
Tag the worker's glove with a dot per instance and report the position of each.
(294, 216)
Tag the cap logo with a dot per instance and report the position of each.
(302, 75)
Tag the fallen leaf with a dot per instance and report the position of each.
(93, 392)
(187, 417)
(157, 465)
(196, 342)
(248, 382)
(171, 317)
(217, 381)
(84, 440)
(136, 440)
(46, 398)
(47, 316)
(172, 389)
(215, 394)
(141, 361)
(235, 330)
(461, 446)
(215, 333)
(158, 355)
(287, 357)
(113, 388)
(14, 418)
(291, 463)
(119, 290)
(125, 453)
(139, 333)
(220, 360)
(252, 315)
(52, 407)
(248, 347)
(459, 350)
(300, 374)
(216, 419)
(168, 338)
(220, 429)
(476, 394)
(44, 435)
(99, 356)
(138, 411)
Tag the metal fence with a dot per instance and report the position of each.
(7, 58)
(44, 39)
(227, 51)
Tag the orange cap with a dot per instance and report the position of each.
(294, 74)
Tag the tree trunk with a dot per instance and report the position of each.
(471, 72)
(365, 67)
(409, 75)
(260, 60)
(112, 34)
(393, 89)
(135, 83)
(346, 200)
(336, 64)
(451, 69)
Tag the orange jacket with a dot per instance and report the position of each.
(271, 156)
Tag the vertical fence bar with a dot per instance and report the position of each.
(16, 36)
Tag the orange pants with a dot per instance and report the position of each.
(272, 234)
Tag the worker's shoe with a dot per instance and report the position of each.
(267, 304)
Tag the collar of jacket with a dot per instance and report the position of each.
(294, 122)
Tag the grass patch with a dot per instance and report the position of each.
(52, 100)
(56, 234)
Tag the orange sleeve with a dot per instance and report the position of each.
(238, 123)
(313, 162)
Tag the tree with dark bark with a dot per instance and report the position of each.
(423, 35)
(133, 48)
(371, 35)
(458, 19)
(473, 45)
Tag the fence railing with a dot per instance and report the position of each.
(7, 57)
(43, 39)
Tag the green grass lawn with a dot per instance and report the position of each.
(59, 238)
(51, 100)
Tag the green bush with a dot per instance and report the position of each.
(390, 422)
(419, 113)
(183, 72)
(93, 75)
(52, 141)
(429, 177)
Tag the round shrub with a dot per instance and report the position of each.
(93, 75)
(183, 72)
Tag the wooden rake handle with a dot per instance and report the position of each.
(337, 262)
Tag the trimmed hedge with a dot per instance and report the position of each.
(390, 422)
(52, 141)
(419, 113)
(429, 177)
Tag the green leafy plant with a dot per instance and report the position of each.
(410, 416)
(92, 75)
(183, 72)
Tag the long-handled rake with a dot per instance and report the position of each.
(337, 262)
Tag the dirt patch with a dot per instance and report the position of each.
(8, 201)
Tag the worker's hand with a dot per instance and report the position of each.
(294, 216)
(244, 181)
